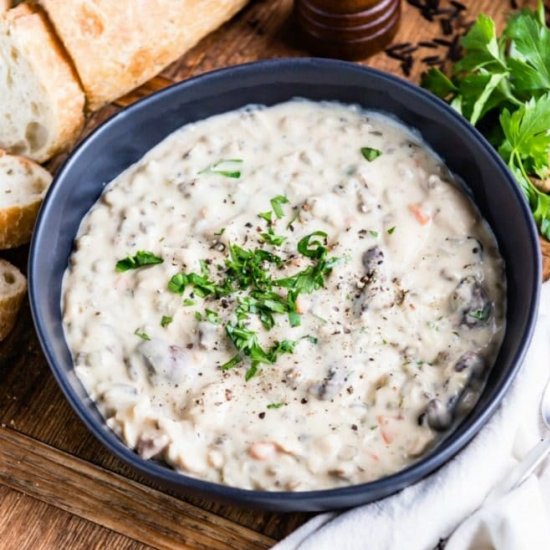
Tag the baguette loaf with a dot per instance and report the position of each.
(13, 286)
(118, 45)
(23, 185)
(41, 106)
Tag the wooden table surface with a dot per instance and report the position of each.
(59, 488)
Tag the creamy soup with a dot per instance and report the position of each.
(287, 298)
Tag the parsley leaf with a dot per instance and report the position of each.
(312, 277)
(526, 149)
(370, 154)
(246, 342)
(229, 168)
(527, 134)
(246, 267)
(267, 216)
(509, 74)
(276, 203)
(270, 238)
(275, 405)
(233, 362)
(482, 47)
(315, 249)
(480, 314)
(142, 334)
(438, 83)
(529, 57)
(165, 321)
(202, 285)
(212, 316)
(142, 258)
(178, 283)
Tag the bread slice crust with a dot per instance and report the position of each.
(117, 46)
(13, 287)
(23, 184)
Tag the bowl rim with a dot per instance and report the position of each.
(388, 484)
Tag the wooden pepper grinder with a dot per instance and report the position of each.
(348, 29)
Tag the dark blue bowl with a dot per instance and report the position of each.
(126, 137)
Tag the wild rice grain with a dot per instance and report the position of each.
(400, 46)
(446, 26)
(459, 6)
(431, 59)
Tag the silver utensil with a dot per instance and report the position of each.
(533, 458)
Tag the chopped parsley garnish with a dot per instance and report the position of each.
(248, 273)
(205, 270)
(246, 267)
(246, 342)
(263, 304)
(481, 314)
(276, 203)
(233, 362)
(391, 230)
(309, 338)
(202, 285)
(277, 209)
(165, 321)
(269, 237)
(267, 216)
(189, 302)
(230, 168)
(275, 405)
(373, 233)
(142, 258)
(142, 334)
(251, 372)
(315, 249)
(211, 316)
(370, 154)
(312, 277)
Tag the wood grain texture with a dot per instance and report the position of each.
(49, 528)
(113, 501)
(50, 442)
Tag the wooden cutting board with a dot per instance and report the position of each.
(59, 488)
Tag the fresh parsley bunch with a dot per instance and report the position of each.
(502, 85)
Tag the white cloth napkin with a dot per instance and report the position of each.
(446, 503)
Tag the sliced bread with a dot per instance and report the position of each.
(5, 5)
(13, 286)
(23, 184)
(116, 46)
(41, 110)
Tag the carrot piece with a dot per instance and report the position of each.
(386, 436)
(374, 455)
(421, 217)
(262, 450)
